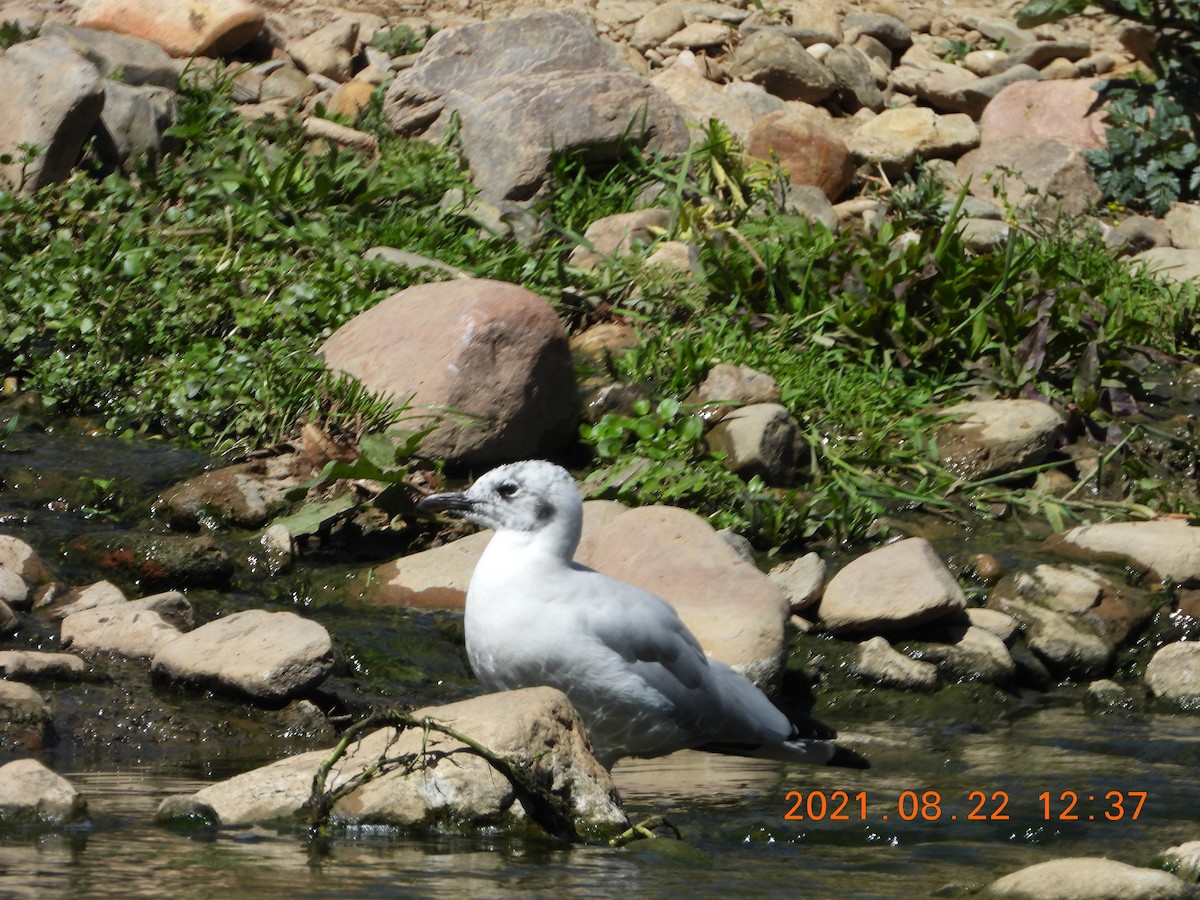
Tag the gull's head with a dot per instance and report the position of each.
(530, 497)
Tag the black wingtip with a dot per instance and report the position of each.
(848, 759)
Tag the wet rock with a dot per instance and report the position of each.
(1184, 860)
(25, 722)
(1064, 111)
(996, 436)
(536, 729)
(734, 610)
(893, 587)
(801, 580)
(896, 137)
(246, 494)
(30, 665)
(52, 100)
(101, 593)
(1044, 177)
(32, 795)
(157, 560)
(618, 235)
(203, 28)
(492, 351)
(438, 578)
(17, 556)
(1174, 673)
(1000, 624)
(807, 147)
(123, 629)
(761, 440)
(965, 652)
(1167, 549)
(781, 65)
(515, 92)
(266, 656)
(877, 662)
(9, 623)
(1080, 877)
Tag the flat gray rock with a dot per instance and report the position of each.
(32, 795)
(263, 655)
(1087, 878)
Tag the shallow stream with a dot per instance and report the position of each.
(952, 801)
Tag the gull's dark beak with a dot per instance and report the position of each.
(452, 501)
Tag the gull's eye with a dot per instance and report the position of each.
(508, 489)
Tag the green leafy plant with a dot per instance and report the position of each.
(1152, 155)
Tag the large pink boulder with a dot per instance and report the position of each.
(1067, 111)
(181, 27)
(490, 359)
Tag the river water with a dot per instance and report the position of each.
(952, 800)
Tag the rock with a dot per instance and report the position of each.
(658, 24)
(494, 353)
(14, 592)
(193, 28)
(878, 663)
(516, 92)
(89, 596)
(32, 795)
(801, 580)
(761, 440)
(804, 142)
(288, 86)
(172, 606)
(986, 62)
(965, 652)
(129, 60)
(536, 729)
(246, 494)
(1135, 234)
(133, 123)
(1076, 878)
(52, 100)
(731, 607)
(29, 665)
(1040, 54)
(266, 656)
(1063, 111)
(19, 557)
(351, 98)
(736, 106)
(617, 235)
(896, 137)
(1047, 178)
(157, 560)
(1167, 549)
(1000, 624)
(984, 235)
(888, 30)
(1182, 222)
(1174, 673)
(856, 87)
(438, 578)
(958, 92)
(782, 66)
(1184, 860)
(810, 203)
(893, 587)
(699, 36)
(594, 347)
(1171, 264)
(993, 437)
(25, 722)
(328, 51)
(123, 629)
(9, 623)
(678, 256)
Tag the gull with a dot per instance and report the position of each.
(639, 679)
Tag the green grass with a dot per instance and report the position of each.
(189, 300)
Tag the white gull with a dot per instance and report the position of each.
(637, 676)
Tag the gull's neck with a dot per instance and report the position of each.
(555, 544)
